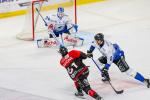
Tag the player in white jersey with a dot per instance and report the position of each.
(111, 53)
(59, 24)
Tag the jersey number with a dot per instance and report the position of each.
(74, 65)
(72, 69)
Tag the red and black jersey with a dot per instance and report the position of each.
(73, 63)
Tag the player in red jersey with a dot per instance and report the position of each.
(78, 71)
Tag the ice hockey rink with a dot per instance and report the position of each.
(31, 73)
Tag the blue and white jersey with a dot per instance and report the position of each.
(110, 51)
(59, 24)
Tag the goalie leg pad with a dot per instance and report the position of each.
(45, 43)
(71, 40)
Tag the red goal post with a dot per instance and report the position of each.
(33, 24)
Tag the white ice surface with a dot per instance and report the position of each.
(28, 69)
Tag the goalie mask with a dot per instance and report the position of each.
(60, 12)
(63, 51)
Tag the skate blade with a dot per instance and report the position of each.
(81, 97)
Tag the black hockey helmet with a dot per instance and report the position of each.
(63, 50)
(99, 36)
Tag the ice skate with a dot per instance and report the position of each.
(147, 82)
(99, 98)
(79, 95)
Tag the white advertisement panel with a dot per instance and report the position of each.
(15, 5)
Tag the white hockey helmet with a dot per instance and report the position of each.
(60, 12)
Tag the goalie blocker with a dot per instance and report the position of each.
(68, 40)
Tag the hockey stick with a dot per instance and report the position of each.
(117, 91)
(54, 36)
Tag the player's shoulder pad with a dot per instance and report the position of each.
(74, 53)
(66, 15)
(54, 15)
(53, 18)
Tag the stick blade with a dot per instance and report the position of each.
(119, 92)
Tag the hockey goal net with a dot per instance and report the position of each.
(34, 27)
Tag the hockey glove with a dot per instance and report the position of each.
(105, 74)
(89, 54)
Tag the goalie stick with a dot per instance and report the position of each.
(116, 91)
(54, 36)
